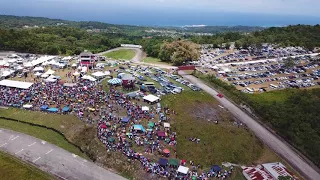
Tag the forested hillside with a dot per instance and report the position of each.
(59, 40)
(298, 35)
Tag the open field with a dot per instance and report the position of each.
(126, 54)
(14, 169)
(152, 60)
(225, 142)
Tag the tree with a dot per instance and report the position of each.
(179, 52)
(285, 178)
(288, 62)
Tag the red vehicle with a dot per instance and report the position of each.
(220, 95)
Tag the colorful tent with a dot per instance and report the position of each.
(66, 109)
(163, 162)
(115, 81)
(166, 151)
(173, 162)
(216, 168)
(125, 120)
(139, 127)
(53, 110)
(151, 124)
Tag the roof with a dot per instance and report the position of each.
(183, 169)
(16, 84)
(163, 161)
(256, 173)
(151, 98)
(277, 169)
(86, 54)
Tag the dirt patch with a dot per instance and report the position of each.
(206, 111)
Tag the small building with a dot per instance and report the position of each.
(87, 59)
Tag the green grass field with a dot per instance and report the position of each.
(219, 143)
(14, 169)
(126, 54)
(153, 60)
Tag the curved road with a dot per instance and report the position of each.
(261, 132)
(307, 169)
(52, 159)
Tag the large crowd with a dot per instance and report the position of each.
(119, 132)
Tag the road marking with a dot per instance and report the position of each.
(49, 151)
(31, 144)
(19, 151)
(4, 144)
(74, 155)
(43, 142)
(36, 159)
(14, 138)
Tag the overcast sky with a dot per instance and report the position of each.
(123, 11)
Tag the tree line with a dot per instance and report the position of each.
(59, 40)
(298, 35)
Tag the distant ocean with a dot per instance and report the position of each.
(147, 17)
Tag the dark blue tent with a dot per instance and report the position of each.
(163, 162)
(216, 168)
(125, 120)
(53, 110)
(44, 107)
(66, 109)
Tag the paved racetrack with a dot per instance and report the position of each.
(51, 158)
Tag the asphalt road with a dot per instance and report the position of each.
(261, 132)
(51, 158)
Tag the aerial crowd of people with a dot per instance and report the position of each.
(121, 122)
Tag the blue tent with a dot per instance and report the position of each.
(139, 127)
(163, 162)
(125, 120)
(53, 110)
(216, 168)
(66, 109)
(44, 107)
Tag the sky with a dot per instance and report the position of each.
(171, 12)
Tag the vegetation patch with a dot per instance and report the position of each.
(126, 54)
(14, 169)
(293, 113)
(218, 142)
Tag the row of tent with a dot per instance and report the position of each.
(54, 110)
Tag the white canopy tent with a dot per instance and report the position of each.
(74, 65)
(98, 74)
(27, 106)
(183, 169)
(166, 125)
(107, 73)
(145, 108)
(39, 68)
(151, 98)
(76, 73)
(16, 84)
(38, 74)
(88, 77)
